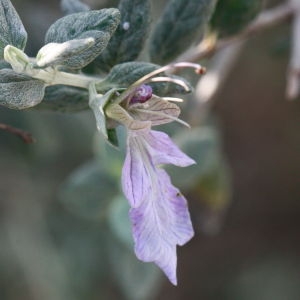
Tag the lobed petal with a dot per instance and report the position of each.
(136, 177)
(163, 150)
(161, 222)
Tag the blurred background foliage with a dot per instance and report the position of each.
(64, 227)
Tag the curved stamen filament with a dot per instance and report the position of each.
(169, 79)
(131, 89)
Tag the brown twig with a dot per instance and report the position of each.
(25, 136)
(266, 19)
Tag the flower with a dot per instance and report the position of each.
(159, 213)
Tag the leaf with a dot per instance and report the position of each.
(231, 16)
(64, 99)
(182, 22)
(18, 91)
(202, 145)
(129, 38)
(118, 220)
(54, 54)
(125, 74)
(12, 29)
(88, 191)
(98, 24)
(73, 6)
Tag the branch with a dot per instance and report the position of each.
(25, 136)
(265, 20)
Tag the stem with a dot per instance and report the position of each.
(53, 77)
(25, 136)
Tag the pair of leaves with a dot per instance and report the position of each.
(98, 25)
(18, 91)
(12, 29)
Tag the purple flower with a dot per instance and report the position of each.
(159, 213)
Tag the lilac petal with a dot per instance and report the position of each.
(161, 222)
(164, 151)
(136, 179)
(157, 110)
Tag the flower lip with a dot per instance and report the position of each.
(142, 94)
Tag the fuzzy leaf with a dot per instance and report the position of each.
(12, 29)
(231, 16)
(64, 99)
(60, 53)
(73, 6)
(182, 22)
(19, 91)
(128, 40)
(97, 24)
(88, 191)
(125, 74)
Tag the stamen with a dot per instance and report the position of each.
(131, 89)
(164, 115)
(169, 79)
(198, 69)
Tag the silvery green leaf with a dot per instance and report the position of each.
(18, 91)
(156, 110)
(59, 53)
(182, 22)
(119, 222)
(97, 24)
(128, 40)
(64, 99)
(12, 29)
(88, 191)
(125, 74)
(73, 6)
